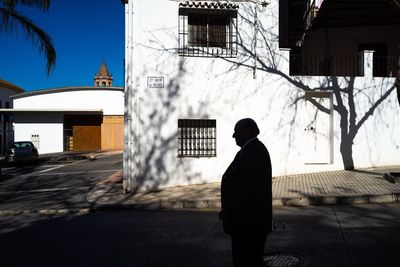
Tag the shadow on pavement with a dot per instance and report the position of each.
(323, 236)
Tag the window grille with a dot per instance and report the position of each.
(197, 138)
(207, 32)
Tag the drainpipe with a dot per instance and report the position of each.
(131, 116)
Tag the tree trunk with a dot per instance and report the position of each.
(346, 149)
(398, 88)
(398, 74)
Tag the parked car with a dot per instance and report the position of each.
(21, 151)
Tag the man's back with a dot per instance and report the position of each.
(246, 189)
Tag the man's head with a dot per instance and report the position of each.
(245, 129)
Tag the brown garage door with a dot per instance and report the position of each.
(86, 138)
(112, 132)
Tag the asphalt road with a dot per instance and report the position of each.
(54, 185)
(309, 236)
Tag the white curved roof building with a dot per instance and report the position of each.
(70, 118)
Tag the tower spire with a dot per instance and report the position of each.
(103, 77)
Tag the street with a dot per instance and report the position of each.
(54, 185)
(309, 236)
(34, 230)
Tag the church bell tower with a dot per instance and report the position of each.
(103, 77)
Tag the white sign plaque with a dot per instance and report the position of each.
(155, 82)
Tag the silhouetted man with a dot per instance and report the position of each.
(246, 197)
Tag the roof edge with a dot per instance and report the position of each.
(67, 89)
(11, 86)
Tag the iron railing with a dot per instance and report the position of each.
(340, 65)
(197, 138)
(207, 32)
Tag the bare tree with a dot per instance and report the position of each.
(259, 52)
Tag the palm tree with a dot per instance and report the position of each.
(11, 21)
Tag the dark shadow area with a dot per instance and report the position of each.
(324, 236)
(56, 188)
(136, 238)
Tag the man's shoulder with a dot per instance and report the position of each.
(256, 143)
(257, 147)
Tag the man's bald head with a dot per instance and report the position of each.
(245, 129)
(250, 125)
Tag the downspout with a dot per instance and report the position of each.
(397, 82)
(131, 116)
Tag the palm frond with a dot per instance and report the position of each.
(39, 4)
(39, 38)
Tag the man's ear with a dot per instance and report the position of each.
(247, 133)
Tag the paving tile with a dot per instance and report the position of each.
(323, 188)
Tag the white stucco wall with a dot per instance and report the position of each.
(110, 101)
(48, 126)
(198, 88)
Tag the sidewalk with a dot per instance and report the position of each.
(324, 188)
(73, 155)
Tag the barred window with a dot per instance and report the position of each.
(197, 138)
(207, 32)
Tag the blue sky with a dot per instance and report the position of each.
(84, 32)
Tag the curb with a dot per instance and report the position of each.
(337, 200)
(46, 211)
(82, 156)
(215, 204)
(212, 205)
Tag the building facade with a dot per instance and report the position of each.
(7, 89)
(70, 118)
(80, 118)
(194, 68)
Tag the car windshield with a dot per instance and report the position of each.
(22, 145)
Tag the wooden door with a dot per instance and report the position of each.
(86, 138)
(112, 132)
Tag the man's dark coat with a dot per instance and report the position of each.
(246, 191)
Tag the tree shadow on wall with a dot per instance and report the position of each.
(354, 102)
(158, 128)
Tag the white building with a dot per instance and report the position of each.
(194, 68)
(84, 118)
(7, 89)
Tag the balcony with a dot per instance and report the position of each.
(347, 66)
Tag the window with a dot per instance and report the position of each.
(207, 31)
(7, 104)
(197, 138)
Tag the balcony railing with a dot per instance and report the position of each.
(349, 66)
